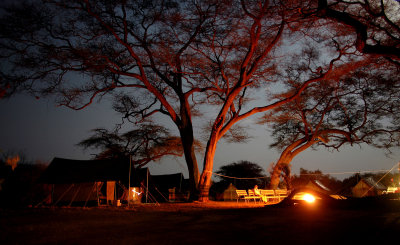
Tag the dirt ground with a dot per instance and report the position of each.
(199, 223)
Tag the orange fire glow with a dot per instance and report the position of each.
(308, 198)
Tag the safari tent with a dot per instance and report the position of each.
(105, 182)
(368, 187)
(89, 182)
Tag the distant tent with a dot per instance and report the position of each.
(368, 187)
(230, 193)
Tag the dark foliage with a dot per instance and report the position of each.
(308, 175)
(20, 187)
(243, 175)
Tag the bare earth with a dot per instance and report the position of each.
(199, 223)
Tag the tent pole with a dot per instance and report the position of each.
(52, 194)
(90, 193)
(129, 178)
(74, 196)
(97, 194)
(147, 183)
(180, 183)
(115, 191)
(59, 199)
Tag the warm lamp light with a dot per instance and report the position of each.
(135, 192)
(309, 198)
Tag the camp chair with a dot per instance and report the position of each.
(267, 195)
(281, 194)
(253, 196)
(241, 194)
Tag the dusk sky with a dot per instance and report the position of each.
(42, 131)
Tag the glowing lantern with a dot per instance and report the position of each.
(134, 196)
(308, 198)
(135, 192)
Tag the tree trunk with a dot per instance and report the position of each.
(205, 178)
(191, 161)
(186, 132)
(283, 165)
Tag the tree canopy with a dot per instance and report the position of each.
(242, 174)
(376, 24)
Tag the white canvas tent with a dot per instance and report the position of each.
(368, 187)
(230, 193)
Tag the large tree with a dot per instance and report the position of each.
(362, 107)
(169, 57)
(247, 49)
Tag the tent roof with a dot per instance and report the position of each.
(231, 187)
(79, 171)
(372, 183)
(318, 186)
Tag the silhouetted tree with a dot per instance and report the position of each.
(361, 108)
(306, 176)
(243, 175)
(145, 144)
(19, 186)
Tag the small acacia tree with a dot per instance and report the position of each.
(247, 174)
(143, 145)
(242, 174)
(362, 108)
